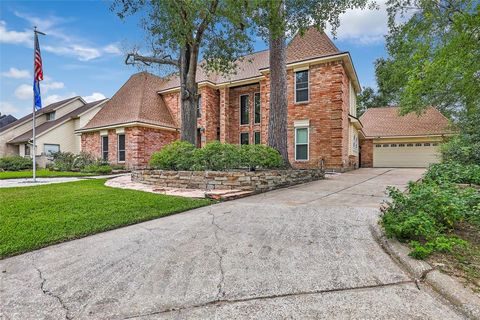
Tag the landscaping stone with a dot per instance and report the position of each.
(255, 181)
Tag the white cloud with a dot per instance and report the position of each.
(113, 49)
(16, 73)
(7, 108)
(94, 97)
(65, 44)
(52, 85)
(364, 27)
(83, 53)
(56, 97)
(24, 92)
(15, 37)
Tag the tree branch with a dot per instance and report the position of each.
(134, 58)
(206, 21)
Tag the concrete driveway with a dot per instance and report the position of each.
(304, 252)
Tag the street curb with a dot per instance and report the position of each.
(462, 298)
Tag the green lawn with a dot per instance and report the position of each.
(43, 173)
(34, 217)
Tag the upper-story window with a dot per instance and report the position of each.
(301, 86)
(244, 109)
(50, 116)
(199, 106)
(256, 104)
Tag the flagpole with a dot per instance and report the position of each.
(34, 148)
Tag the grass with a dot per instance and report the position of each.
(35, 217)
(43, 173)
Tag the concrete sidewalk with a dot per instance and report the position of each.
(304, 252)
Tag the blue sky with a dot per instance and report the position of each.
(83, 50)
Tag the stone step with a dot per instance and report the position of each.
(225, 195)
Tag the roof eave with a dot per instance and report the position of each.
(125, 125)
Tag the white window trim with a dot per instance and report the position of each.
(118, 147)
(240, 109)
(308, 144)
(295, 87)
(259, 104)
(240, 137)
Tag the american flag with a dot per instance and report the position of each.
(38, 61)
(38, 75)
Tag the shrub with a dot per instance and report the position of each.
(260, 156)
(454, 172)
(84, 159)
(63, 161)
(177, 155)
(217, 156)
(98, 169)
(428, 212)
(15, 163)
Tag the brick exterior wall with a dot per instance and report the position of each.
(258, 181)
(140, 144)
(366, 153)
(327, 111)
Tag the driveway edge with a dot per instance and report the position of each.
(452, 290)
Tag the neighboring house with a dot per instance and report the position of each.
(322, 128)
(392, 140)
(6, 119)
(55, 128)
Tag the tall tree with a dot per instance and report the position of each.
(275, 19)
(184, 30)
(433, 55)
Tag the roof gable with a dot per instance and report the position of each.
(387, 122)
(136, 101)
(46, 126)
(51, 107)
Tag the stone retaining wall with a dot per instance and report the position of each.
(257, 181)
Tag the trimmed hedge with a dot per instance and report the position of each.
(15, 163)
(215, 156)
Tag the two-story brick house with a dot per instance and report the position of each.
(323, 129)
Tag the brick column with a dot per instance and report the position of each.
(224, 116)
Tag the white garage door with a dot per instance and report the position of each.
(413, 154)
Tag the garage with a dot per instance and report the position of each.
(406, 155)
(392, 140)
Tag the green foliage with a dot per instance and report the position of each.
(465, 147)
(34, 217)
(440, 244)
(177, 155)
(216, 156)
(454, 172)
(368, 98)
(258, 156)
(429, 212)
(63, 161)
(97, 169)
(433, 56)
(15, 163)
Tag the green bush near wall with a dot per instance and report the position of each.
(15, 163)
(215, 156)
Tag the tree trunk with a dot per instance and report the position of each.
(277, 123)
(188, 93)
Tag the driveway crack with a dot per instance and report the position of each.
(219, 254)
(53, 295)
(262, 298)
